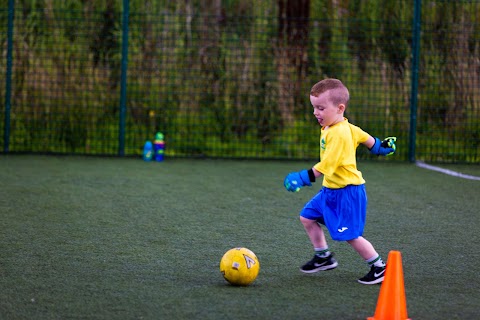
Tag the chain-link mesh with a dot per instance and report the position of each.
(232, 78)
(449, 84)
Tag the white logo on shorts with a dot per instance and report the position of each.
(342, 229)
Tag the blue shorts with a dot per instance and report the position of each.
(342, 211)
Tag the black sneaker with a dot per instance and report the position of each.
(376, 275)
(317, 264)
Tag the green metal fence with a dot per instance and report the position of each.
(231, 78)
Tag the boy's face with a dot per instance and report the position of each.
(325, 111)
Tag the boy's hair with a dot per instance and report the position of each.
(339, 94)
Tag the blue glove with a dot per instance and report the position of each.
(385, 148)
(295, 180)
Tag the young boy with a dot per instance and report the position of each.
(341, 204)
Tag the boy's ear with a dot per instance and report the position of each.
(341, 108)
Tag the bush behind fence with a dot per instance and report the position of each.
(231, 78)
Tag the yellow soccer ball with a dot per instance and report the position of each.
(239, 266)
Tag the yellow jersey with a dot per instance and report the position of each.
(338, 147)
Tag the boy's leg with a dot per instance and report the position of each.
(323, 258)
(377, 267)
(314, 232)
(364, 248)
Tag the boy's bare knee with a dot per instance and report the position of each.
(355, 241)
(306, 221)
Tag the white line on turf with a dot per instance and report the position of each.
(446, 171)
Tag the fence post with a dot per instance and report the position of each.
(123, 80)
(414, 86)
(8, 77)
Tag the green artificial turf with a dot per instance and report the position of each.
(113, 238)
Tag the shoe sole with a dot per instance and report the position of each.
(321, 268)
(379, 280)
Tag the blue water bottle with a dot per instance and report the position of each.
(159, 146)
(148, 151)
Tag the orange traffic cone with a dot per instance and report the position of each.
(392, 304)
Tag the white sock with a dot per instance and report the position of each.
(376, 261)
(322, 252)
